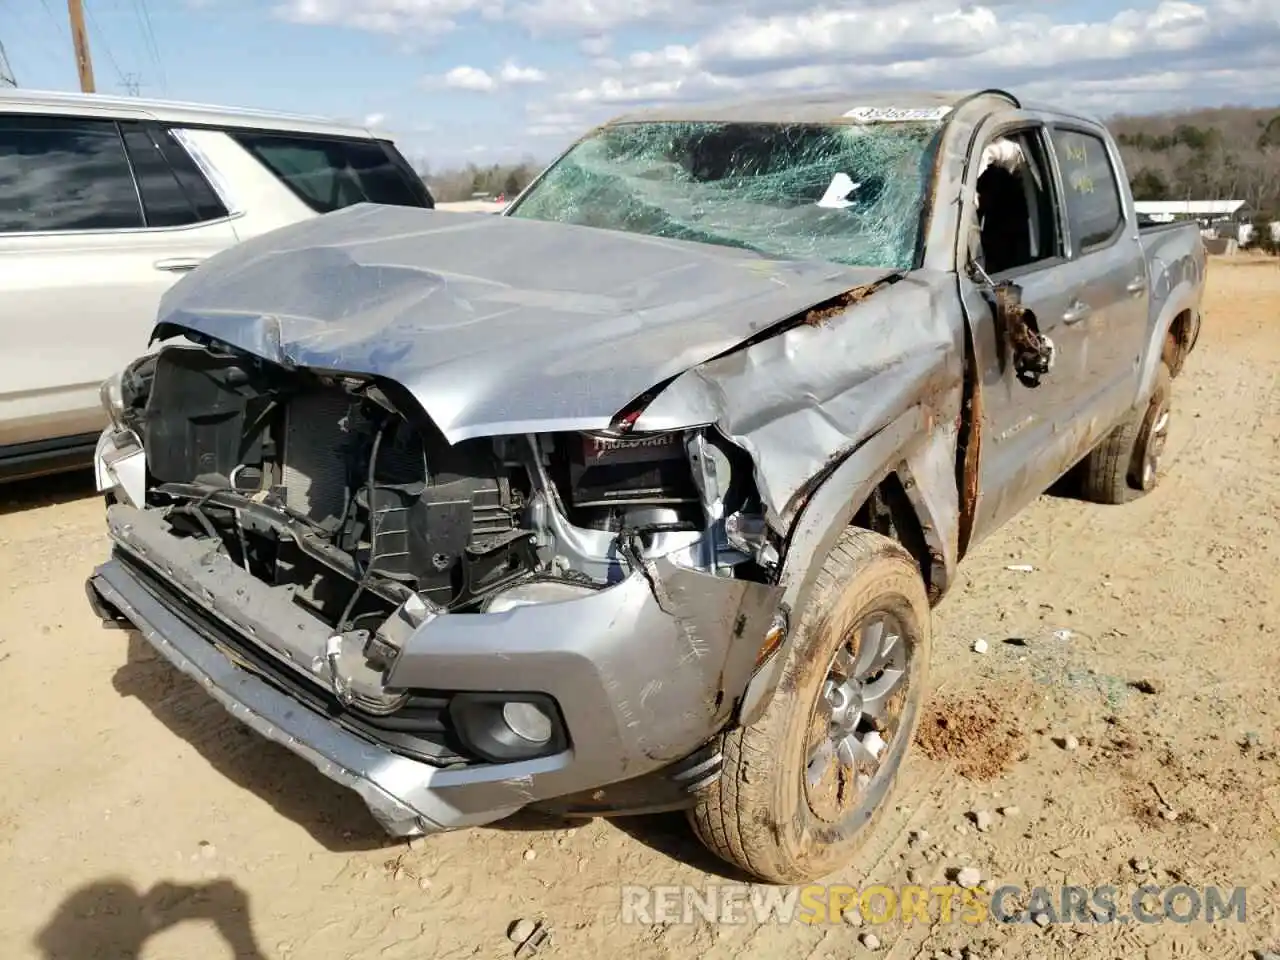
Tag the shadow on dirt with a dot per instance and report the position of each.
(332, 814)
(335, 816)
(22, 495)
(1067, 487)
(666, 833)
(671, 835)
(109, 918)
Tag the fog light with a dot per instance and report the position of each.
(527, 721)
(504, 727)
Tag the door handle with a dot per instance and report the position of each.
(178, 264)
(1137, 285)
(1076, 312)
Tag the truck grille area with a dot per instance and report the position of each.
(438, 518)
(357, 461)
(420, 729)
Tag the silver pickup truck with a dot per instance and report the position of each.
(637, 497)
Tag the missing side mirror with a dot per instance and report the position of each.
(1033, 352)
(1016, 326)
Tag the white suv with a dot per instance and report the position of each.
(105, 202)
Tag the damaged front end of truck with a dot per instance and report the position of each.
(458, 604)
(467, 567)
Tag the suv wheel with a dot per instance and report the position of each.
(803, 785)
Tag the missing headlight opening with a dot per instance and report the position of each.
(341, 492)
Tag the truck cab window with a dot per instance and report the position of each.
(1094, 211)
(1015, 204)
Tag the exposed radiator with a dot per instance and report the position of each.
(315, 472)
(326, 435)
(428, 506)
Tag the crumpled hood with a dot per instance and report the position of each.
(496, 325)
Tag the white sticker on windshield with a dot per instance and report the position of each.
(896, 114)
(837, 195)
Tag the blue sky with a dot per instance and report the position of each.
(496, 79)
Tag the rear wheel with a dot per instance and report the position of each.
(1126, 464)
(803, 786)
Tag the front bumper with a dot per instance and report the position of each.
(644, 673)
(401, 793)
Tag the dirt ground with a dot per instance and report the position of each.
(138, 820)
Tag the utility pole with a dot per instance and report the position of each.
(80, 37)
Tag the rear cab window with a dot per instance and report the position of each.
(63, 174)
(1095, 212)
(329, 173)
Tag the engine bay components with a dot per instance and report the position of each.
(338, 488)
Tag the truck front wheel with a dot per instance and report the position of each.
(804, 785)
(1126, 463)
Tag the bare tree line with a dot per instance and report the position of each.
(1226, 153)
(472, 180)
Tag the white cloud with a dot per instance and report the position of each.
(563, 126)
(513, 74)
(470, 78)
(429, 17)
(933, 44)
(510, 74)
(1137, 55)
(375, 120)
(597, 17)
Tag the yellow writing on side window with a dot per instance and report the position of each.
(1082, 183)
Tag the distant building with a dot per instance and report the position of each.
(1225, 219)
(1206, 211)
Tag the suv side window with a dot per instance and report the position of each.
(64, 174)
(329, 173)
(170, 198)
(1094, 210)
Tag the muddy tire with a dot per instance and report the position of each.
(1126, 464)
(804, 785)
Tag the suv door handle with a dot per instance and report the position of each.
(1137, 285)
(1076, 312)
(178, 264)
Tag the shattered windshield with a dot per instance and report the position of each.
(851, 194)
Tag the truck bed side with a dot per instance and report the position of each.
(1176, 262)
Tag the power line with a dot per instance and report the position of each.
(6, 72)
(143, 12)
(30, 37)
(57, 22)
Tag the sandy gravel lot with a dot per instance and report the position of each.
(138, 821)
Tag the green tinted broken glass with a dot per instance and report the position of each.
(850, 194)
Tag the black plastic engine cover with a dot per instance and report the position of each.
(197, 412)
(427, 533)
